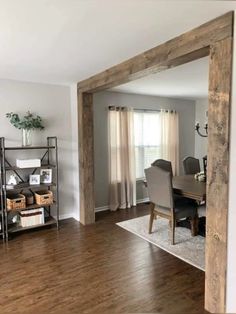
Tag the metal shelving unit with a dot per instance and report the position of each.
(46, 163)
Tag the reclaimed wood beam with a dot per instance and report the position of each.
(187, 47)
(218, 174)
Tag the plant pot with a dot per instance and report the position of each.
(26, 137)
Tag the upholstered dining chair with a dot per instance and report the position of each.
(159, 185)
(163, 164)
(191, 165)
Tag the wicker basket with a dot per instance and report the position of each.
(16, 201)
(44, 197)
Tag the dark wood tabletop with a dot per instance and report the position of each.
(187, 186)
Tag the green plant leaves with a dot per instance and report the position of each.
(28, 122)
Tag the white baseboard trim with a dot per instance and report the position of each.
(144, 200)
(104, 208)
(76, 216)
(101, 209)
(97, 210)
(67, 216)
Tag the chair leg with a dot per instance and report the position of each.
(152, 215)
(194, 226)
(172, 225)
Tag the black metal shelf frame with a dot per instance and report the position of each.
(5, 166)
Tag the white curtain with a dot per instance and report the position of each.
(122, 180)
(170, 138)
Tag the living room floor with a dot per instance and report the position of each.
(100, 268)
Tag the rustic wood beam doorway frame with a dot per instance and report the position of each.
(213, 39)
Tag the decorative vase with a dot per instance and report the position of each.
(26, 137)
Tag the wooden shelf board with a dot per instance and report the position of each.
(24, 186)
(41, 167)
(17, 228)
(29, 147)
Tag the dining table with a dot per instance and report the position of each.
(188, 186)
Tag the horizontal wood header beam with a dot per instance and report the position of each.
(187, 47)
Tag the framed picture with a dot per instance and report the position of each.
(34, 179)
(46, 175)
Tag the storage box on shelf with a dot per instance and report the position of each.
(31, 203)
(44, 197)
(28, 163)
(16, 201)
(32, 217)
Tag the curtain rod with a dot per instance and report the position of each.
(141, 110)
(149, 110)
(154, 110)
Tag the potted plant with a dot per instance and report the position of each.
(27, 123)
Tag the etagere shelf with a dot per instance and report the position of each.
(49, 160)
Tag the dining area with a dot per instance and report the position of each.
(181, 199)
(175, 212)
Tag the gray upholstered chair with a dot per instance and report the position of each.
(191, 165)
(163, 164)
(159, 184)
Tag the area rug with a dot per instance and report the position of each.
(187, 248)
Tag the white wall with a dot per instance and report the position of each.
(201, 142)
(75, 149)
(52, 103)
(102, 100)
(231, 262)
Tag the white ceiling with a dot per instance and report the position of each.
(65, 41)
(188, 81)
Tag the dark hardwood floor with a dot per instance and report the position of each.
(100, 268)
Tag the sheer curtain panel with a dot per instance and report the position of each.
(122, 180)
(170, 138)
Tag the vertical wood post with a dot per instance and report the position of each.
(218, 174)
(86, 157)
(215, 36)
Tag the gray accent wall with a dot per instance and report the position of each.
(185, 108)
(52, 103)
(201, 142)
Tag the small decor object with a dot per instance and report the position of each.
(14, 219)
(29, 198)
(13, 180)
(34, 179)
(200, 176)
(28, 163)
(44, 197)
(16, 201)
(46, 175)
(28, 123)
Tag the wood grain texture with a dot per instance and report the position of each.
(218, 174)
(86, 157)
(100, 268)
(187, 47)
(214, 36)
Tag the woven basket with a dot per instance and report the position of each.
(16, 201)
(44, 197)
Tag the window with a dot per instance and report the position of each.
(147, 135)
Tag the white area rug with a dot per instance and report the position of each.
(189, 249)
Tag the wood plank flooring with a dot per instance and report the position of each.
(99, 268)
